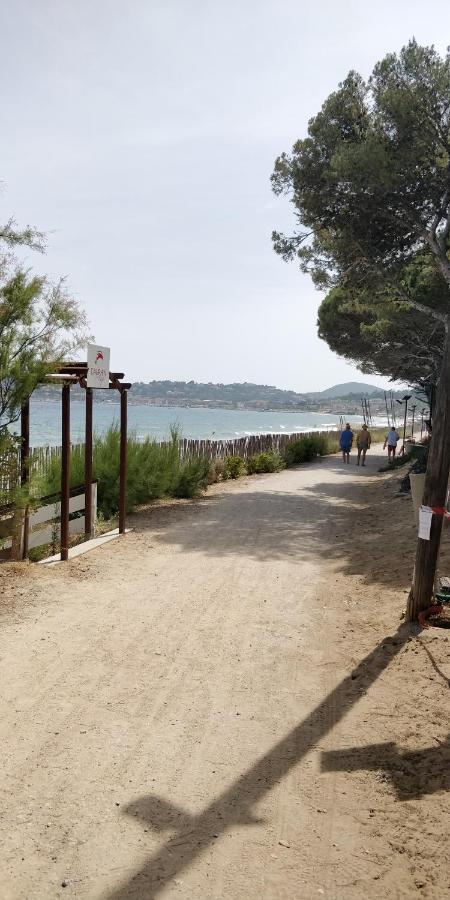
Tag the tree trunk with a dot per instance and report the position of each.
(435, 492)
(17, 533)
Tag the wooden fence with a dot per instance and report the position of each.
(42, 457)
(44, 522)
(243, 446)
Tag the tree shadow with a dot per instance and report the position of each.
(304, 524)
(192, 834)
(413, 774)
(433, 662)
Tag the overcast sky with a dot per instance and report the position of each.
(141, 135)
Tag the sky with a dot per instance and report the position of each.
(141, 135)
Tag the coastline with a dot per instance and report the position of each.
(194, 423)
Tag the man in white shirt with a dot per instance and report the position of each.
(392, 439)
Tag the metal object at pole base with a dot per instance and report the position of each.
(88, 465)
(123, 461)
(65, 471)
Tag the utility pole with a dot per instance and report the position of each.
(387, 409)
(421, 423)
(394, 417)
(413, 408)
(363, 410)
(435, 491)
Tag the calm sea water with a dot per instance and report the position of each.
(154, 421)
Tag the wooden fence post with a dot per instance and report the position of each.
(123, 461)
(88, 464)
(65, 471)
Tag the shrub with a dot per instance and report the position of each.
(304, 449)
(397, 463)
(269, 461)
(234, 466)
(153, 471)
(192, 479)
(216, 470)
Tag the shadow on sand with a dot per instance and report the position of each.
(305, 523)
(192, 834)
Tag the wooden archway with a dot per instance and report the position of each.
(68, 375)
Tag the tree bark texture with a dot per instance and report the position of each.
(17, 533)
(435, 492)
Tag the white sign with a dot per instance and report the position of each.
(98, 366)
(425, 517)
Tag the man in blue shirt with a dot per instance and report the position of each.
(346, 443)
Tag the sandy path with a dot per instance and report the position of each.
(166, 702)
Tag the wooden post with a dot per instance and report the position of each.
(387, 410)
(25, 467)
(88, 465)
(123, 461)
(404, 426)
(65, 471)
(435, 492)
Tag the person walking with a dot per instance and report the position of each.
(363, 442)
(346, 442)
(392, 439)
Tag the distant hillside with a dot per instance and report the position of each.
(246, 393)
(349, 387)
(339, 398)
(194, 393)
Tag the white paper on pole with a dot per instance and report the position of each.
(425, 517)
(98, 366)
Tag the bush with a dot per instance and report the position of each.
(397, 463)
(9, 466)
(234, 466)
(269, 461)
(193, 478)
(216, 470)
(153, 471)
(304, 449)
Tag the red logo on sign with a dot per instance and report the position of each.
(99, 356)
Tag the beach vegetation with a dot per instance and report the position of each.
(153, 471)
(216, 470)
(268, 461)
(305, 449)
(39, 325)
(234, 467)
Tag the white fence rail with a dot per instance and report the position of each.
(44, 523)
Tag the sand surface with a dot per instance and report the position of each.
(225, 704)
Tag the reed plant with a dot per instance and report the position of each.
(153, 471)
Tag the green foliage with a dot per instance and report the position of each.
(383, 337)
(216, 470)
(39, 325)
(153, 471)
(193, 478)
(234, 467)
(396, 463)
(370, 188)
(9, 467)
(269, 461)
(306, 448)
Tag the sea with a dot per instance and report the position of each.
(155, 421)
